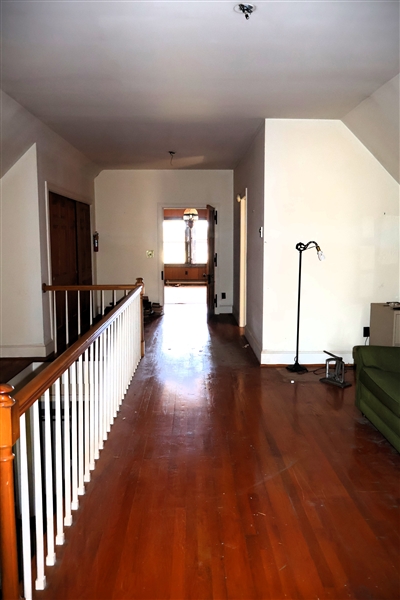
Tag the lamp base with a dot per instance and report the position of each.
(297, 368)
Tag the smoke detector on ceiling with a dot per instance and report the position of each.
(246, 9)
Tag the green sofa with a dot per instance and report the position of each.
(378, 388)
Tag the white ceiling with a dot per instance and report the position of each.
(125, 82)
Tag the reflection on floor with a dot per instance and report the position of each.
(189, 294)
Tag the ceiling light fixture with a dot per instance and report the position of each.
(246, 9)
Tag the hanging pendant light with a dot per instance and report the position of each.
(190, 215)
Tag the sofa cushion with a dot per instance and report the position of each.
(384, 385)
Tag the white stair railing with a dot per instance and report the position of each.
(100, 299)
(65, 415)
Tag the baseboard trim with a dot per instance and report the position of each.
(255, 346)
(312, 358)
(225, 310)
(28, 351)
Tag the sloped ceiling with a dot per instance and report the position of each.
(125, 82)
(376, 124)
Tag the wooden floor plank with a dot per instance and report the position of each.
(221, 480)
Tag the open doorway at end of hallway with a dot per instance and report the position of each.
(185, 294)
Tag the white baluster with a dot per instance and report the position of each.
(118, 359)
(25, 513)
(114, 369)
(74, 438)
(91, 307)
(81, 447)
(102, 427)
(51, 555)
(91, 406)
(86, 416)
(109, 381)
(66, 319)
(102, 302)
(40, 582)
(55, 322)
(59, 482)
(79, 312)
(121, 356)
(67, 452)
(96, 398)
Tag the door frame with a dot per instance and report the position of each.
(160, 219)
(56, 189)
(242, 199)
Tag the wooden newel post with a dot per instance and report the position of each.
(139, 281)
(9, 423)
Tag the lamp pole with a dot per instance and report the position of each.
(296, 367)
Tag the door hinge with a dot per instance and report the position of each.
(215, 260)
(216, 217)
(162, 275)
(215, 300)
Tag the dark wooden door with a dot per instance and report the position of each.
(211, 263)
(70, 240)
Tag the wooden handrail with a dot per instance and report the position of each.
(88, 288)
(35, 388)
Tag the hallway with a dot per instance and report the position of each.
(221, 479)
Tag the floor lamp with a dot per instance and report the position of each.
(296, 367)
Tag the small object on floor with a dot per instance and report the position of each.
(157, 309)
(336, 377)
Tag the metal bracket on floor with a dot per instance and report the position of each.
(336, 376)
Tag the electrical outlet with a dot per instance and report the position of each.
(365, 332)
(223, 296)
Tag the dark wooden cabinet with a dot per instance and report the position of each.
(185, 273)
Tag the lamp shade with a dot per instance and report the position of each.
(190, 214)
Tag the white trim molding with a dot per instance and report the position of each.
(33, 350)
(255, 346)
(316, 357)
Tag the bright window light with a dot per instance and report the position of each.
(182, 245)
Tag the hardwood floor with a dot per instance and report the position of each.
(221, 479)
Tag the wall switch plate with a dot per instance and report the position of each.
(150, 253)
(223, 295)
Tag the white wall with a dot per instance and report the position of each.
(322, 184)
(28, 174)
(376, 123)
(249, 173)
(129, 220)
(21, 324)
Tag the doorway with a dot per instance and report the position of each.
(71, 262)
(185, 255)
(242, 199)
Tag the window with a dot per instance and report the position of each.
(185, 245)
(174, 242)
(199, 242)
